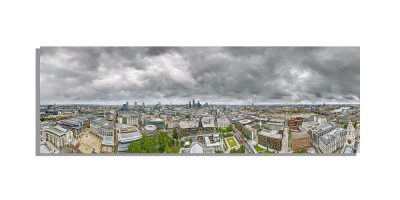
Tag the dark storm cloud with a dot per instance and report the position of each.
(213, 74)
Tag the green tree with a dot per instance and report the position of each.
(175, 134)
(163, 141)
(230, 128)
(135, 147)
(149, 145)
(144, 145)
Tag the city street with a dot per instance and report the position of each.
(285, 141)
(240, 138)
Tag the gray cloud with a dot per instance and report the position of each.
(212, 74)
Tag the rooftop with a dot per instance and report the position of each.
(327, 138)
(196, 149)
(299, 135)
(208, 122)
(129, 137)
(188, 124)
(58, 130)
(274, 134)
(108, 140)
(245, 121)
(348, 150)
(150, 128)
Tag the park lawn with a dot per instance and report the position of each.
(231, 142)
(258, 148)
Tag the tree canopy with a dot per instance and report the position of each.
(162, 143)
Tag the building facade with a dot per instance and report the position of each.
(300, 140)
(271, 139)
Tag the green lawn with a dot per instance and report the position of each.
(258, 148)
(262, 150)
(231, 142)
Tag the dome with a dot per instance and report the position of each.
(348, 150)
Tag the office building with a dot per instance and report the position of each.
(270, 139)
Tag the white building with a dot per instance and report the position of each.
(128, 118)
(125, 139)
(57, 136)
(102, 128)
(350, 139)
(332, 141)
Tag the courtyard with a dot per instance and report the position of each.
(91, 140)
(231, 142)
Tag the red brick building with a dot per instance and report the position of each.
(300, 140)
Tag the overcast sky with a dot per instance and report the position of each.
(217, 75)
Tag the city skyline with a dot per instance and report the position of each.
(217, 75)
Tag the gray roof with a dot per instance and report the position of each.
(348, 150)
(189, 124)
(108, 140)
(208, 122)
(150, 127)
(327, 138)
(271, 134)
(58, 130)
(196, 149)
(129, 137)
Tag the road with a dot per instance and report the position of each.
(285, 141)
(239, 136)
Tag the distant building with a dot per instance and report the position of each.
(53, 112)
(295, 123)
(109, 115)
(241, 123)
(189, 127)
(102, 128)
(208, 124)
(159, 123)
(223, 122)
(125, 107)
(128, 118)
(249, 132)
(271, 139)
(275, 124)
(76, 125)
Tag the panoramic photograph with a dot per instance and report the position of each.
(265, 101)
